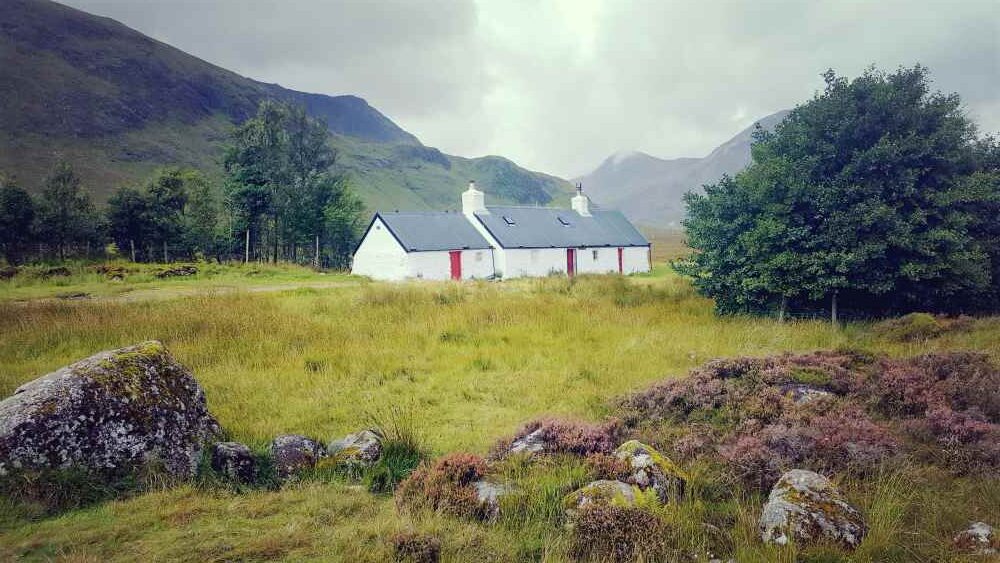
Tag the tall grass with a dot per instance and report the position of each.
(442, 367)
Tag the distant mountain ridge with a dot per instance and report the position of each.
(117, 104)
(649, 190)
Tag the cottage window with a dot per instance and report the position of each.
(479, 256)
(510, 221)
(564, 222)
(534, 256)
(595, 255)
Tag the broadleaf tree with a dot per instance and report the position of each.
(859, 197)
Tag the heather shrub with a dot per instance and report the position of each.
(618, 533)
(565, 436)
(444, 486)
(601, 466)
(414, 547)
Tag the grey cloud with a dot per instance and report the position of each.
(558, 85)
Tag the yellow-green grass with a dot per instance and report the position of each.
(140, 281)
(469, 362)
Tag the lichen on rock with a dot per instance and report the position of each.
(356, 451)
(117, 412)
(603, 492)
(293, 454)
(652, 470)
(806, 507)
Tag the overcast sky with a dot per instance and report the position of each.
(559, 85)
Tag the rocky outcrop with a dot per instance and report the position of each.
(805, 507)
(652, 470)
(116, 412)
(358, 450)
(293, 453)
(235, 461)
(978, 539)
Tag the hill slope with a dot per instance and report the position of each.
(117, 104)
(648, 190)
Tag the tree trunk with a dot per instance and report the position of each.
(316, 254)
(246, 252)
(274, 257)
(782, 307)
(833, 308)
(131, 244)
(165, 258)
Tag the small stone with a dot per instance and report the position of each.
(293, 453)
(358, 450)
(977, 539)
(488, 494)
(652, 470)
(530, 444)
(801, 394)
(804, 507)
(235, 461)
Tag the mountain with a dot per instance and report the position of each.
(648, 190)
(117, 104)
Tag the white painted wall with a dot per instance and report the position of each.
(605, 263)
(533, 262)
(380, 255)
(476, 264)
(635, 260)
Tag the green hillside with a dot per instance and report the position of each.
(117, 104)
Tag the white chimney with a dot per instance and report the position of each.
(473, 200)
(580, 202)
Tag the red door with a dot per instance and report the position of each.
(456, 264)
(571, 261)
(621, 263)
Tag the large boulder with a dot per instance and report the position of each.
(356, 451)
(293, 453)
(235, 461)
(652, 470)
(116, 412)
(804, 507)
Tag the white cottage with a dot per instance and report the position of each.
(500, 241)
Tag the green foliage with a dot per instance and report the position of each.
(871, 191)
(65, 218)
(281, 187)
(17, 212)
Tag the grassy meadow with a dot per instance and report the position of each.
(287, 350)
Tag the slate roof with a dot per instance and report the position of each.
(432, 230)
(548, 227)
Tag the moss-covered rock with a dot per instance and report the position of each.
(356, 451)
(806, 507)
(603, 493)
(652, 470)
(117, 412)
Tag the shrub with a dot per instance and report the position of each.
(444, 486)
(919, 326)
(601, 466)
(416, 548)
(618, 533)
(398, 460)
